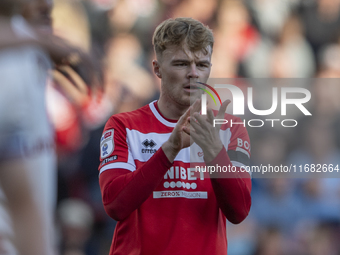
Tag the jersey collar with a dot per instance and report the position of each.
(159, 116)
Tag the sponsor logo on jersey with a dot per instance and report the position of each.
(149, 144)
(180, 193)
(181, 178)
(107, 134)
(180, 184)
(106, 144)
(107, 160)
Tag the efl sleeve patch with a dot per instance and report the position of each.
(106, 144)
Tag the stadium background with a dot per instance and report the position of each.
(254, 39)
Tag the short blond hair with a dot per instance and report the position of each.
(182, 30)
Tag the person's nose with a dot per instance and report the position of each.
(193, 73)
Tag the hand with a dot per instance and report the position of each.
(62, 54)
(179, 139)
(71, 84)
(204, 133)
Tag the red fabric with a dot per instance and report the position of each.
(121, 185)
(164, 208)
(232, 190)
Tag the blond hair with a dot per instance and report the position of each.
(182, 30)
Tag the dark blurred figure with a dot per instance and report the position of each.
(321, 21)
(271, 242)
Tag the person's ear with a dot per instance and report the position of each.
(156, 68)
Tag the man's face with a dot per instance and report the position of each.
(179, 69)
(38, 13)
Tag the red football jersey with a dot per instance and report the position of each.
(180, 213)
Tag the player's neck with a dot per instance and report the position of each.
(170, 110)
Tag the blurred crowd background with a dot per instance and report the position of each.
(253, 39)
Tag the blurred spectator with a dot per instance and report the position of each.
(73, 108)
(329, 59)
(233, 21)
(197, 9)
(321, 21)
(276, 204)
(292, 56)
(271, 242)
(124, 69)
(318, 237)
(241, 239)
(76, 222)
(71, 23)
(320, 197)
(126, 13)
(99, 24)
(27, 158)
(325, 97)
(271, 15)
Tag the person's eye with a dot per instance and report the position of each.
(180, 64)
(203, 65)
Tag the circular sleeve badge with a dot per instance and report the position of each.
(106, 144)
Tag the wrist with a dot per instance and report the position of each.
(170, 151)
(211, 153)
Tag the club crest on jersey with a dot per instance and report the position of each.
(106, 144)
